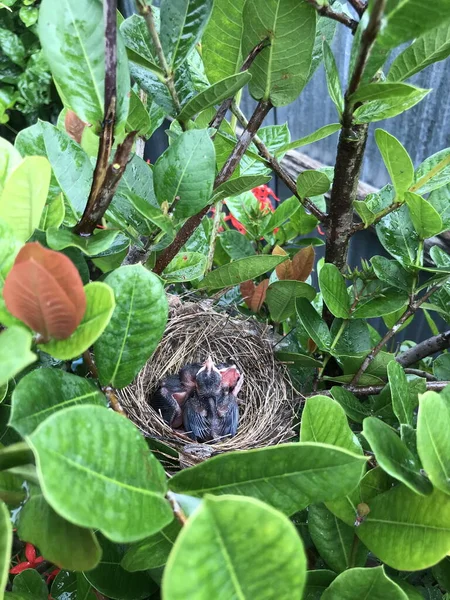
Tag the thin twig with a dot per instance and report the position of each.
(89, 361)
(326, 11)
(373, 390)
(278, 169)
(360, 226)
(113, 400)
(359, 6)
(413, 307)
(426, 348)
(177, 510)
(227, 170)
(213, 236)
(420, 373)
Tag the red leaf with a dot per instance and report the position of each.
(45, 291)
(30, 552)
(259, 296)
(247, 290)
(74, 126)
(303, 263)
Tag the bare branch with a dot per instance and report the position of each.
(373, 390)
(176, 508)
(359, 6)
(326, 11)
(426, 348)
(360, 226)
(113, 400)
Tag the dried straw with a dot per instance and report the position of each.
(194, 331)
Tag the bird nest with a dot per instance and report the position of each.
(194, 331)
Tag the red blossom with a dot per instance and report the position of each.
(30, 563)
(52, 575)
(264, 194)
(236, 224)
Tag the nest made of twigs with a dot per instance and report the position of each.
(194, 331)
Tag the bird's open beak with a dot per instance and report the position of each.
(209, 366)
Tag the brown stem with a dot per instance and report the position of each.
(326, 11)
(359, 6)
(227, 170)
(113, 400)
(413, 307)
(89, 361)
(373, 390)
(360, 226)
(426, 348)
(420, 373)
(226, 104)
(176, 508)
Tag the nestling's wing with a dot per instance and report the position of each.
(196, 422)
(168, 399)
(229, 416)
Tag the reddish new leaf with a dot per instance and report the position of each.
(45, 291)
(74, 126)
(259, 296)
(285, 270)
(302, 263)
(247, 290)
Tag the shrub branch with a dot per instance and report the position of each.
(326, 11)
(426, 348)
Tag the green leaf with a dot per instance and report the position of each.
(401, 402)
(136, 325)
(58, 239)
(138, 118)
(287, 476)
(334, 539)
(408, 20)
(186, 170)
(429, 48)
(354, 409)
(433, 173)
(407, 531)
(226, 566)
(99, 308)
(186, 266)
(332, 75)
(226, 88)
(317, 582)
(9, 159)
(394, 457)
(76, 474)
(290, 27)
(238, 185)
(45, 391)
(312, 183)
(397, 161)
(6, 540)
(334, 291)
(153, 551)
(222, 53)
(182, 24)
(24, 195)
(236, 245)
(441, 367)
(397, 234)
(11, 489)
(358, 583)
(377, 110)
(282, 213)
(111, 579)
(441, 573)
(62, 543)
(9, 248)
(72, 38)
(11, 363)
(433, 443)
(324, 421)
(440, 200)
(150, 212)
(381, 91)
(30, 584)
(53, 213)
(297, 359)
(241, 270)
(64, 586)
(281, 296)
(315, 326)
(392, 273)
(426, 219)
(320, 134)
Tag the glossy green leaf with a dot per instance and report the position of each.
(441, 572)
(315, 326)
(334, 539)
(433, 443)
(394, 457)
(440, 200)
(66, 545)
(281, 296)
(76, 475)
(222, 53)
(236, 245)
(320, 134)
(332, 75)
(429, 48)
(64, 586)
(408, 20)
(149, 212)
(138, 118)
(426, 219)
(401, 401)
(282, 213)
(317, 582)
(72, 38)
(29, 583)
(260, 556)
(397, 161)
(226, 88)
(288, 476)
(241, 270)
(11, 489)
(24, 195)
(238, 185)
(377, 110)
(99, 308)
(397, 234)
(334, 291)
(324, 421)
(9, 248)
(45, 391)
(11, 363)
(433, 173)
(186, 266)
(9, 159)
(136, 325)
(297, 359)
(441, 367)
(359, 583)
(110, 579)
(153, 551)
(182, 24)
(312, 183)
(53, 213)
(290, 26)
(407, 531)
(58, 239)
(354, 409)
(392, 273)
(186, 170)
(6, 539)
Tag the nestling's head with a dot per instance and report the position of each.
(208, 378)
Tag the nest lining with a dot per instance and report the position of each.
(195, 331)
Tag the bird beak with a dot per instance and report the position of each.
(209, 366)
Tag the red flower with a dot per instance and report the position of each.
(30, 563)
(52, 575)
(236, 224)
(263, 194)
